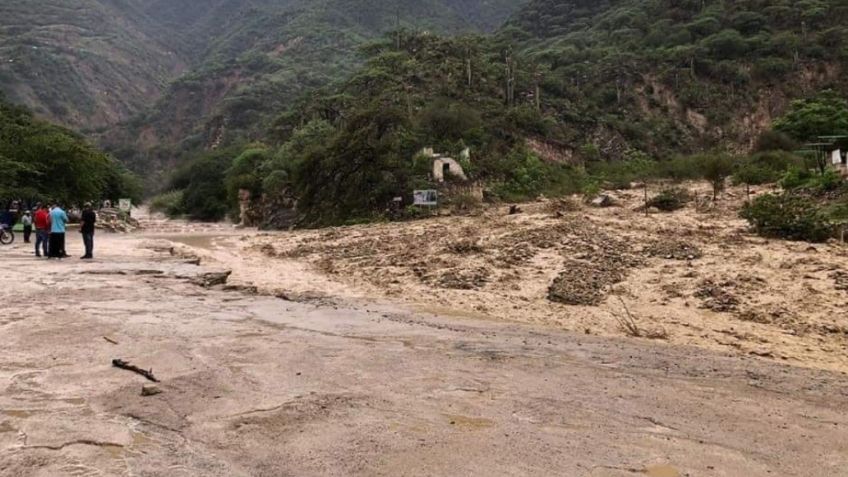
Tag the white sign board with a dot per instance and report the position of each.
(125, 204)
(428, 198)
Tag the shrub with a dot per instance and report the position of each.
(591, 190)
(671, 199)
(465, 202)
(619, 175)
(754, 174)
(681, 168)
(775, 141)
(169, 203)
(765, 167)
(788, 216)
(829, 181)
(798, 178)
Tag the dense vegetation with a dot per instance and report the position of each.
(218, 68)
(345, 152)
(667, 76)
(41, 161)
(282, 99)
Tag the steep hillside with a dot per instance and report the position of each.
(267, 56)
(91, 64)
(84, 63)
(663, 76)
(568, 96)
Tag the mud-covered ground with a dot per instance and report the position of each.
(395, 350)
(692, 277)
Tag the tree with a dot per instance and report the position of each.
(750, 174)
(359, 172)
(246, 173)
(826, 114)
(726, 44)
(203, 182)
(775, 141)
(716, 169)
(39, 160)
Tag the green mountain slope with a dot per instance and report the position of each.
(566, 96)
(668, 76)
(269, 54)
(84, 63)
(91, 64)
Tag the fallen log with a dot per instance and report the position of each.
(119, 363)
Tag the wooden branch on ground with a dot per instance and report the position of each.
(119, 363)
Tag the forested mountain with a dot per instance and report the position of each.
(212, 70)
(674, 75)
(267, 58)
(547, 103)
(558, 83)
(85, 63)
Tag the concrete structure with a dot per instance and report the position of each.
(446, 166)
(839, 161)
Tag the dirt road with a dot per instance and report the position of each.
(261, 385)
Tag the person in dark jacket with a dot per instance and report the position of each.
(89, 218)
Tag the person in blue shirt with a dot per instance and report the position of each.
(58, 221)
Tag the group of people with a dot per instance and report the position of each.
(50, 225)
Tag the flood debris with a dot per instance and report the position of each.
(673, 250)
(840, 279)
(150, 390)
(602, 201)
(630, 325)
(457, 279)
(211, 279)
(119, 363)
(532, 268)
(717, 296)
(116, 221)
(583, 283)
(465, 247)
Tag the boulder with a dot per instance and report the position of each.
(602, 200)
(150, 390)
(211, 279)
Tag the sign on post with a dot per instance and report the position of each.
(125, 204)
(428, 198)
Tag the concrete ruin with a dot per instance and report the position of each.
(444, 167)
(839, 161)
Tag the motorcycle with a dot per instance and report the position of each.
(7, 235)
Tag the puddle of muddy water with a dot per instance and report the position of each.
(17, 413)
(205, 242)
(465, 422)
(661, 471)
(140, 439)
(73, 401)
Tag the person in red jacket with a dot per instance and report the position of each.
(42, 230)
